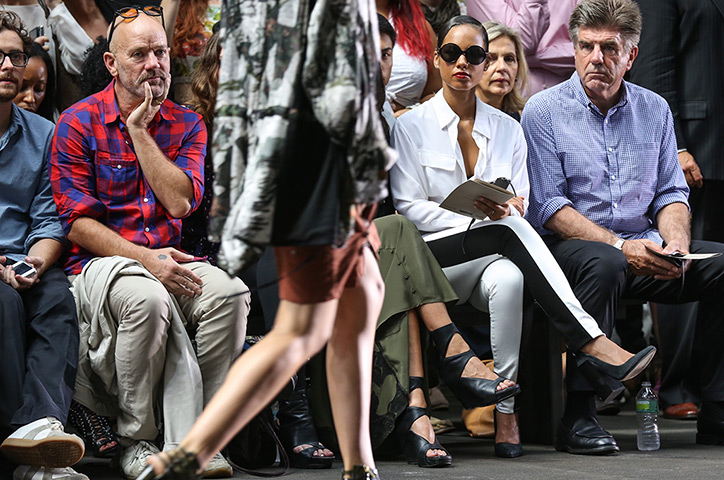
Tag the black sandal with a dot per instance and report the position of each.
(472, 392)
(361, 472)
(94, 429)
(178, 465)
(297, 428)
(414, 446)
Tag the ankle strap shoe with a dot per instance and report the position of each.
(360, 472)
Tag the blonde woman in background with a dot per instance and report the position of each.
(506, 75)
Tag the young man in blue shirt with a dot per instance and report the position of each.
(39, 340)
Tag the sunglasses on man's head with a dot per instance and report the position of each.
(128, 14)
(474, 54)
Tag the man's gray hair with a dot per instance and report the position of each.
(622, 15)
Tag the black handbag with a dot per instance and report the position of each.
(256, 446)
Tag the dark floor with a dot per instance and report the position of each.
(679, 458)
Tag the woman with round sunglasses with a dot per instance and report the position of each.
(443, 143)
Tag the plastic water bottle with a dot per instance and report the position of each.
(647, 414)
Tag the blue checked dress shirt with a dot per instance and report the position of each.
(617, 170)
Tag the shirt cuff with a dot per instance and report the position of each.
(548, 209)
(668, 199)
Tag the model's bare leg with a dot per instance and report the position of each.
(300, 330)
(434, 316)
(349, 364)
(422, 425)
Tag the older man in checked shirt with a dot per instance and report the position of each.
(606, 191)
(126, 165)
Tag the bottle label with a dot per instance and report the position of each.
(647, 406)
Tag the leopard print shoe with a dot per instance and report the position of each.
(178, 465)
(361, 472)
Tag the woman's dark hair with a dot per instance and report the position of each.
(47, 108)
(205, 80)
(12, 21)
(386, 28)
(94, 76)
(462, 20)
(437, 18)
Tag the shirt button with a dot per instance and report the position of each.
(118, 167)
(615, 205)
(613, 177)
(148, 229)
(145, 200)
(610, 149)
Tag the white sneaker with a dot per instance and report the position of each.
(218, 467)
(27, 472)
(43, 443)
(134, 458)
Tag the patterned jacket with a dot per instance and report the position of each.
(268, 45)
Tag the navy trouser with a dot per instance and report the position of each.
(599, 276)
(38, 351)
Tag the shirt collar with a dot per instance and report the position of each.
(446, 116)
(582, 97)
(111, 113)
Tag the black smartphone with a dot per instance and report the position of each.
(502, 182)
(36, 32)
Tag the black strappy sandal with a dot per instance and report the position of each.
(95, 430)
(414, 446)
(297, 428)
(472, 392)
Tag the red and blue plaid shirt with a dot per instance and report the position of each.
(94, 171)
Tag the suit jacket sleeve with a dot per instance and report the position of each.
(656, 64)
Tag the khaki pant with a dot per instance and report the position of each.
(215, 321)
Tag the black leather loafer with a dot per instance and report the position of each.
(586, 437)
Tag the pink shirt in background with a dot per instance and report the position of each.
(543, 29)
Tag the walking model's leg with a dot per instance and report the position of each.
(349, 364)
(300, 331)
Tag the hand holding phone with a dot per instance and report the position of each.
(19, 274)
(24, 269)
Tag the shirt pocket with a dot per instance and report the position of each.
(116, 177)
(639, 173)
(440, 172)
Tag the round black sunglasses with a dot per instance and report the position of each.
(450, 52)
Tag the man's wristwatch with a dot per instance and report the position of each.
(619, 243)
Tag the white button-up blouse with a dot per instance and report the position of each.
(431, 165)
